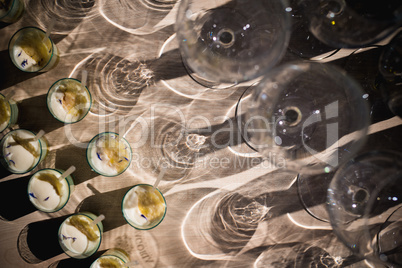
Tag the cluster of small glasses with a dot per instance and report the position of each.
(108, 154)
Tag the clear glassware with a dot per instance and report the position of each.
(108, 154)
(8, 112)
(47, 193)
(230, 42)
(364, 205)
(32, 51)
(11, 11)
(68, 100)
(390, 75)
(311, 116)
(343, 23)
(144, 207)
(114, 257)
(21, 151)
(79, 236)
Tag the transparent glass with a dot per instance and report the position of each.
(311, 116)
(114, 256)
(364, 205)
(46, 194)
(68, 232)
(24, 154)
(68, 101)
(11, 11)
(343, 23)
(31, 51)
(8, 113)
(108, 154)
(130, 201)
(390, 78)
(231, 41)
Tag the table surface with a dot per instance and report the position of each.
(227, 206)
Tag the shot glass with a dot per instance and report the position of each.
(11, 11)
(8, 113)
(21, 151)
(31, 51)
(108, 154)
(114, 257)
(79, 237)
(48, 192)
(144, 207)
(68, 100)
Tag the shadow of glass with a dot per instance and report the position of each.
(11, 75)
(38, 241)
(15, 200)
(71, 262)
(72, 155)
(34, 115)
(108, 204)
(4, 172)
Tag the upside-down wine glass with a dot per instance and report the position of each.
(309, 115)
(228, 42)
(346, 23)
(364, 205)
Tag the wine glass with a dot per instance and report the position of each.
(341, 23)
(308, 115)
(230, 42)
(364, 205)
(390, 77)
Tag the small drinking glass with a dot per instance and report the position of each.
(114, 257)
(47, 192)
(144, 207)
(11, 11)
(8, 113)
(108, 154)
(31, 50)
(68, 100)
(22, 151)
(364, 205)
(79, 236)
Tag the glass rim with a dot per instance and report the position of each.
(9, 120)
(68, 184)
(92, 141)
(97, 225)
(124, 215)
(47, 103)
(38, 29)
(8, 11)
(107, 255)
(40, 153)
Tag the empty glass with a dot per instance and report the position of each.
(311, 116)
(225, 41)
(364, 205)
(341, 23)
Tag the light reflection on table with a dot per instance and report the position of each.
(227, 206)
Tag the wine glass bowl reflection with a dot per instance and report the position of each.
(231, 41)
(341, 23)
(311, 115)
(364, 204)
